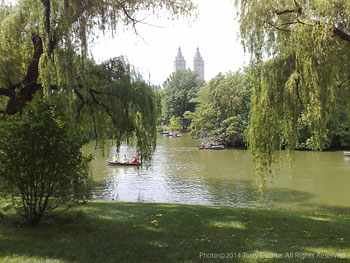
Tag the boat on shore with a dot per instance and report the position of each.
(214, 147)
(121, 163)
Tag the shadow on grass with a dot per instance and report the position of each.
(134, 232)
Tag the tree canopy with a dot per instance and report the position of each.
(179, 89)
(222, 113)
(300, 49)
(44, 48)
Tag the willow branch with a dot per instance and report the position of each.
(133, 20)
(303, 23)
(47, 7)
(52, 39)
(105, 93)
(97, 92)
(278, 27)
(99, 103)
(343, 82)
(107, 109)
(286, 11)
(80, 108)
(298, 10)
(341, 34)
(81, 99)
(287, 24)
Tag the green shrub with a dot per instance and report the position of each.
(41, 165)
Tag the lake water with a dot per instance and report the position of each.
(181, 173)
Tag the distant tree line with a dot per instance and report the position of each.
(222, 109)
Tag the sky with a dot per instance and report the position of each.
(152, 52)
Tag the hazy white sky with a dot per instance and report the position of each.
(215, 32)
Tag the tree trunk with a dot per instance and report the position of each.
(35, 219)
(23, 92)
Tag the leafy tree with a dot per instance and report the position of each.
(175, 122)
(338, 133)
(44, 49)
(40, 159)
(179, 89)
(306, 76)
(118, 104)
(223, 110)
(44, 52)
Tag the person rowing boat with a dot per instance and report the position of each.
(134, 160)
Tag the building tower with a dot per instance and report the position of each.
(180, 62)
(198, 64)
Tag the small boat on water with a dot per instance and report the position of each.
(173, 135)
(120, 163)
(347, 154)
(214, 147)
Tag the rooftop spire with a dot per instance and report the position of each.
(198, 64)
(180, 62)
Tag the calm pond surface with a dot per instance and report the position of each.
(181, 173)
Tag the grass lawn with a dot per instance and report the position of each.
(139, 232)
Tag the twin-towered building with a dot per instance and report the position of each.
(198, 63)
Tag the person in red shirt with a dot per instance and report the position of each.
(134, 160)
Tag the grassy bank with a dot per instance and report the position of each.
(134, 232)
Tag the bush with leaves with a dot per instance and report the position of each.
(41, 164)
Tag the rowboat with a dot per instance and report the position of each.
(347, 154)
(214, 147)
(120, 163)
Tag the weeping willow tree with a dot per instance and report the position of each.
(301, 53)
(118, 104)
(44, 49)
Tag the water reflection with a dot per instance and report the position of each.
(180, 173)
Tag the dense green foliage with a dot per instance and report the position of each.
(119, 105)
(44, 48)
(179, 89)
(40, 160)
(222, 114)
(300, 50)
(44, 52)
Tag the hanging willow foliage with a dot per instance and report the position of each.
(44, 48)
(301, 49)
